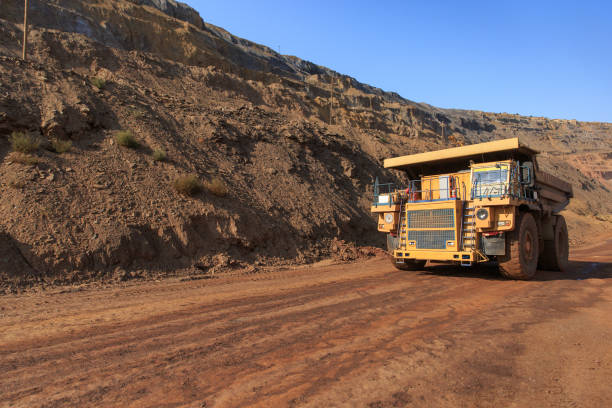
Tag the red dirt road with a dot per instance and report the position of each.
(361, 334)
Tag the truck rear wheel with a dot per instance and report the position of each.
(556, 251)
(522, 250)
(408, 264)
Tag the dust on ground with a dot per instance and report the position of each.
(348, 334)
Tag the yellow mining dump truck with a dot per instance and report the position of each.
(473, 204)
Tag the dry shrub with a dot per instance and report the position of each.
(24, 143)
(126, 138)
(98, 82)
(188, 185)
(61, 146)
(22, 158)
(159, 155)
(217, 187)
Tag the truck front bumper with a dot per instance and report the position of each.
(432, 255)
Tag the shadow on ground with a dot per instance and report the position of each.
(578, 270)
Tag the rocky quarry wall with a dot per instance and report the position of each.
(221, 108)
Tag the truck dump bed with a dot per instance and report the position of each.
(461, 154)
(553, 192)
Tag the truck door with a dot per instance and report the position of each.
(443, 182)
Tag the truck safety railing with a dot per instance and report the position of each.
(389, 193)
(383, 194)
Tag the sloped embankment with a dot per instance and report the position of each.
(228, 110)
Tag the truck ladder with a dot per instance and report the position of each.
(401, 226)
(468, 227)
(468, 233)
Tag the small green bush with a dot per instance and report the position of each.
(159, 155)
(217, 187)
(98, 82)
(126, 138)
(61, 146)
(24, 143)
(188, 185)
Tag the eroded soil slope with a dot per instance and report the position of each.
(220, 107)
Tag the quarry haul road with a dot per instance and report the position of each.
(361, 334)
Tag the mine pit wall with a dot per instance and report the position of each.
(200, 244)
(360, 105)
(377, 125)
(271, 226)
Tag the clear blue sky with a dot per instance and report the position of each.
(540, 58)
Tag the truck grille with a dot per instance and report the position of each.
(431, 239)
(440, 218)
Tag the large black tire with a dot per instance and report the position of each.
(522, 250)
(409, 264)
(556, 251)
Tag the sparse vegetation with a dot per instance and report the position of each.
(24, 159)
(61, 146)
(159, 155)
(188, 185)
(217, 187)
(138, 113)
(98, 82)
(24, 143)
(126, 138)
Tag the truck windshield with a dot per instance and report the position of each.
(491, 176)
(490, 182)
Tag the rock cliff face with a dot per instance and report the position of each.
(220, 107)
(176, 9)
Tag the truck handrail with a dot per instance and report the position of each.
(412, 194)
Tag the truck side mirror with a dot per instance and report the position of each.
(527, 174)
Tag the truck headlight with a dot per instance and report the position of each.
(389, 218)
(482, 214)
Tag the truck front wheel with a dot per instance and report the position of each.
(522, 250)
